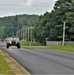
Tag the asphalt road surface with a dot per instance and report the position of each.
(42, 61)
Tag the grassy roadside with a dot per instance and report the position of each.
(9, 66)
(29, 43)
(4, 68)
(35, 45)
(69, 48)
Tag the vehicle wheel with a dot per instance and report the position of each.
(18, 46)
(7, 46)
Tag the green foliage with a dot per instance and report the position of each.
(9, 25)
(50, 25)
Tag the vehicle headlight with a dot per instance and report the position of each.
(10, 42)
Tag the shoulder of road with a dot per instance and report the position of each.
(14, 65)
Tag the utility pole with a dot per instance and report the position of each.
(17, 34)
(28, 34)
(21, 33)
(63, 33)
(31, 33)
(46, 41)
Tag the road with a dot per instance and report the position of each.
(43, 61)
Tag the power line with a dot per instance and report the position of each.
(17, 5)
(25, 5)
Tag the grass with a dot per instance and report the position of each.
(4, 68)
(29, 43)
(69, 48)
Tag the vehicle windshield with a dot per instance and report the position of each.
(17, 39)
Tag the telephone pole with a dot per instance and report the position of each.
(64, 34)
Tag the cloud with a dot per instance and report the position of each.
(26, 7)
(7, 14)
(37, 6)
(29, 2)
(55, 0)
(26, 4)
(0, 0)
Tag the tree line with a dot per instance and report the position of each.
(11, 24)
(50, 25)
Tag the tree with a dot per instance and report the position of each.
(2, 32)
(50, 25)
(12, 24)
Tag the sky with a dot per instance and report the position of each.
(17, 7)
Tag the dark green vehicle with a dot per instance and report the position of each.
(12, 42)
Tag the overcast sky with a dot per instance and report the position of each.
(16, 7)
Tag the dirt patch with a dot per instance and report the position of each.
(15, 66)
